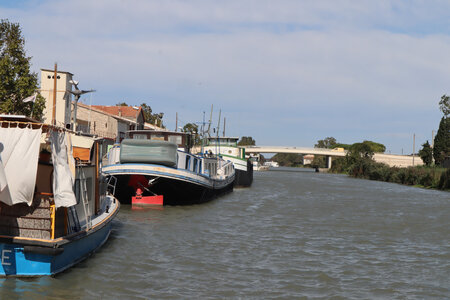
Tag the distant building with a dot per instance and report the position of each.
(131, 113)
(307, 159)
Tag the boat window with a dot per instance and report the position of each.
(139, 136)
(188, 162)
(200, 167)
(157, 137)
(195, 165)
(175, 139)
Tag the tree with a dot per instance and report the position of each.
(442, 141)
(151, 117)
(288, 159)
(246, 141)
(362, 150)
(122, 104)
(328, 142)
(17, 82)
(426, 153)
(376, 147)
(444, 105)
(192, 129)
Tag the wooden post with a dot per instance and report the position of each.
(52, 216)
(54, 95)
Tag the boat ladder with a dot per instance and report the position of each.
(111, 185)
(85, 199)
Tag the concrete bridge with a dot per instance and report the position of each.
(392, 160)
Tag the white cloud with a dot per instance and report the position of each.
(338, 66)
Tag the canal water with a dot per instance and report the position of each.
(293, 234)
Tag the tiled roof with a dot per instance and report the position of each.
(123, 111)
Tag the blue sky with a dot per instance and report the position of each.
(287, 73)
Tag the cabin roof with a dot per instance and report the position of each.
(19, 118)
(158, 131)
(223, 138)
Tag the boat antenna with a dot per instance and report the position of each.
(77, 93)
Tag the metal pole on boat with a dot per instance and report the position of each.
(224, 122)
(176, 122)
(210, 119)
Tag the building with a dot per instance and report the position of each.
(307, 159)
(127, 118)
(63, 96)
(100, 120)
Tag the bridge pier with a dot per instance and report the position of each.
(328, 160)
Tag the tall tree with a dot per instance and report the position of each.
(442, 141)
(441, 148)
(17, 82)
(426, 153)
(444, 105)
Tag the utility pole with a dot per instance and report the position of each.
(414, 147)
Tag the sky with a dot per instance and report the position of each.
(287, 73)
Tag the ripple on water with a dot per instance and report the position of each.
(291, 235)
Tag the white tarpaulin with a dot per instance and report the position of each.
(19, 154)
(62, 175)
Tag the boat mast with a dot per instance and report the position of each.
(224, 122)
(218, 139)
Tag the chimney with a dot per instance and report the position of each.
(120, 112)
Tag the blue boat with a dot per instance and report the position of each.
(53, 213)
